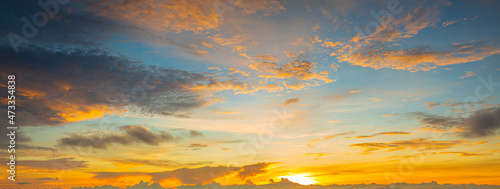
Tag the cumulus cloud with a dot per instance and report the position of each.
(128, 135)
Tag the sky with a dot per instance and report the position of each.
(251, 92)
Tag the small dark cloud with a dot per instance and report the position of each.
(193, 134)
(291, 101)
(197, 145)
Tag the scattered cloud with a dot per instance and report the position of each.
(468, 74)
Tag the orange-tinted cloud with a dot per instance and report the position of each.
(301, 70)
(420, 143)
(374, 50)
(382, 133)
(177, 16)
(314, 141)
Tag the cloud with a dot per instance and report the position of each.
(355, 91)
(376, 49)
(141, 162)
(480, 123)
(285, 183)
(290, 101)
(226, 112)
(128, 135)
(382, 133)
(197, 145)
(431, 105)
(194, 134)
(254, 169)
(54, 164)
(300, 70)
(468, 74)
(451, 22)
(199, 175)
(67, 85)
(314, 141)
(465, 153)
(483, 122)
(420, 143)
(177, 16)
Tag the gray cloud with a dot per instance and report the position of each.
(483, 122)
(129, 135)
(95, 80)
(480, 123)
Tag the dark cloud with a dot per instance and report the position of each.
(128, 135)
(480, 123)
(254, 169)
(194, 176)
(193, 134)
(185, 175)
(436, 121)
(62, 85)
(483, 122)
(291, 101)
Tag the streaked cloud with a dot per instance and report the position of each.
(311, 143)
(128, 135)
(419, 143)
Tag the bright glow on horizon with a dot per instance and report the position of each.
(303, 179)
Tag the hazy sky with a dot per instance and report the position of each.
(185, 92)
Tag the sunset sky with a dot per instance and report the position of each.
(186, 92)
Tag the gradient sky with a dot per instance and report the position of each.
(191, 92)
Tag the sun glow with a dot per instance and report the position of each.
(303, 179)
